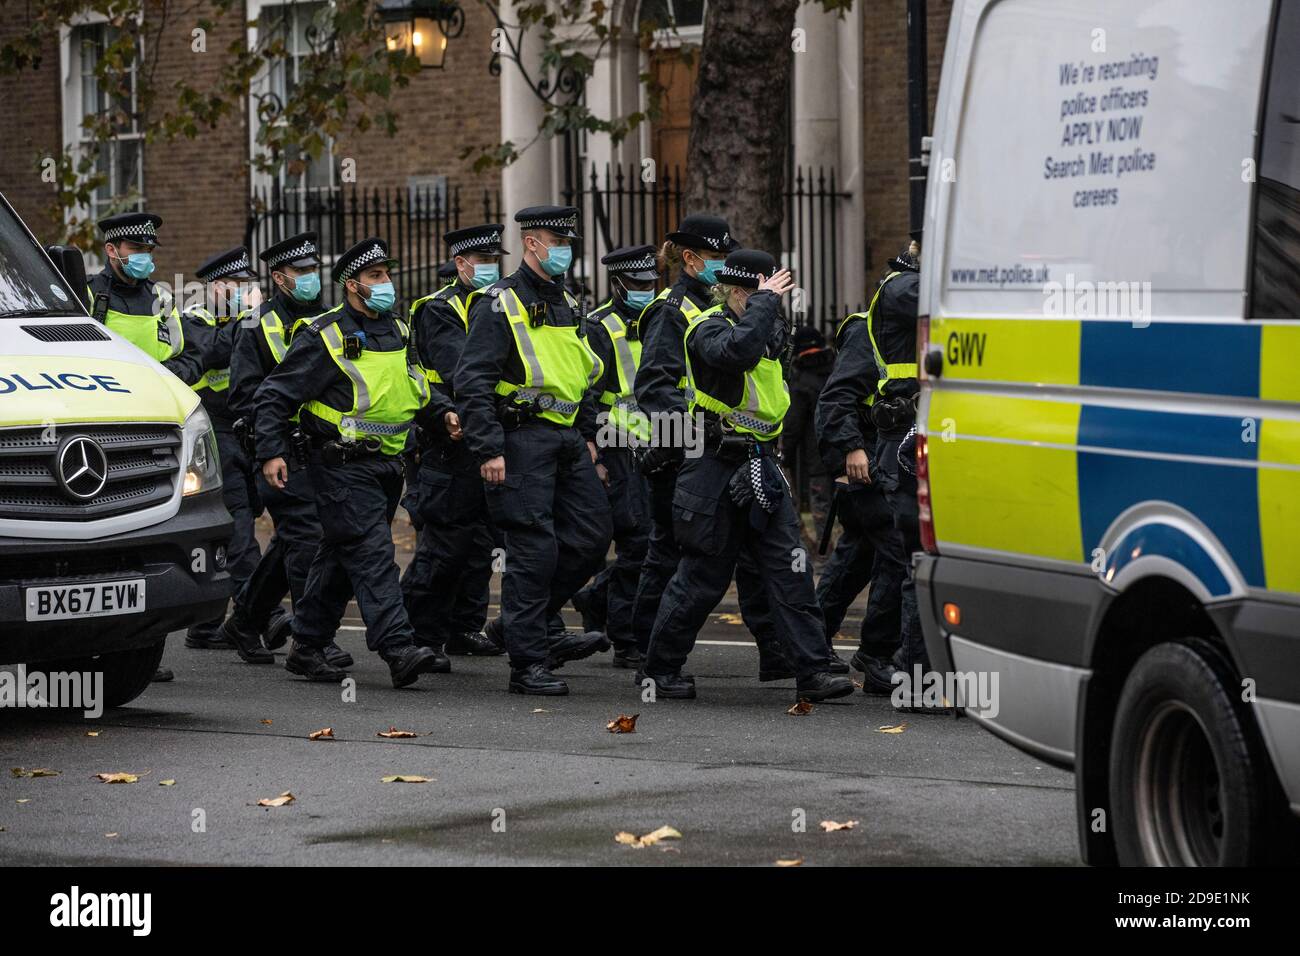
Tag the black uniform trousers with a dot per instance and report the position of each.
(445, 587)
(663, 557)
(356, 503)
(713, 534)
(613, 591)
(287, 561)
(239, 493)
(869, 552)
(554, 518)
(900, 488)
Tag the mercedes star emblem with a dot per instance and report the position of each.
(82, 467)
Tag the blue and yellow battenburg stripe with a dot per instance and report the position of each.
(1044, 467)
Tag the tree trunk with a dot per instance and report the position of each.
(739, 139)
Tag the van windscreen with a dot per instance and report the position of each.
(28, 284)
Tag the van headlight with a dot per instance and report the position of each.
(203, 464)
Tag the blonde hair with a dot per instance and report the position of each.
(722, 293)
(670, 260)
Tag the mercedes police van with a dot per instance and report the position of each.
(112, 527)
(1110, 408)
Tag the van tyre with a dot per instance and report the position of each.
(128, 673)
(1189, 781)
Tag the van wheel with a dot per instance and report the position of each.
(128, 673)
(1187, 778)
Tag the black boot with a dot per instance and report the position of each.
(407, 662)
(593, 613)
(245, 642)
(675, 686)
(495, 632)
(441, 663)
(536, 679)
(309, 662)
(823, 686)
(877, 675)
(772, 662)
(337, 655)
(202, 639)
(574, 646)
(838, 664)
(473, 644)
(279, 628)
(627, 657)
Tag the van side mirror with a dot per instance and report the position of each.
(72, 267)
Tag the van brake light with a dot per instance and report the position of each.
(928, 540)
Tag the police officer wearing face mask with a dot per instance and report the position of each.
(446, 584)
(260, 345)
(230, 286)
(613, 334)
(525, 390)
(734, 498)
(695, 253)
(352, 373)
(124, 298)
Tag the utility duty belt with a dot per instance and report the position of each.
(890, 415)
(337, 452)
(728, 445)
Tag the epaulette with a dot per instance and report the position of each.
(321, 323)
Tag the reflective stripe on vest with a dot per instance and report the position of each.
(763, 402)
(273, 331)
(558, 364)
(897, 370)
(386, 393)
(217, 379)
(623, 410)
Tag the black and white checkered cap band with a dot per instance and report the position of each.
(307, 248)
(487, 242)
(238, 265)
(566, 222)
(728, 272)
(142, 229)
(635, 265)
(375, 253)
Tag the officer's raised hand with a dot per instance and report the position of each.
(779, 282)
(276, 472)
(493, 470)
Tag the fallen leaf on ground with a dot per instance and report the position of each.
(166, 783)
(92, 733)
(110, 835)
(800, 709)
(857, 684)
(623, 724)
(650, 839)
(117, 777)
(404, 778)
(891, 729)
(540, 710)
(279, 801)
(34, 772)
(797, 862)
(394, 732)
(265, 721)
(25, 800)
(730, 619)
(323, 733)
(830, 826)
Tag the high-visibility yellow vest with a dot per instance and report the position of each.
(623, 411)
(690, 312)
(558, 364)
(763, 402)
(460, 305)
(159, 336)
(386, 391)
(217, 379)
(888, 371)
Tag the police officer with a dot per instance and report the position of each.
(734, 498)
(446, 584)
(870, 550)
(229, 283)
(694, 253)
(891, 327)
(351, 373)
(525, 390)
(260, 344)
(613, 334)
(125, 299)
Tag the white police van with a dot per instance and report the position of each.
(1110, 457)
(112, 526)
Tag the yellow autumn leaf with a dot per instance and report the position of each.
(110, 835)
(891, 729)
(404, 778)
(629, 839)
(663, 833)
(92, 733)
(830, 826)
(166, 783)
(393, 732)
(322, 734)
(795, 862)
(730, 619)
(34, 772)
(279, 801)
(117, 777)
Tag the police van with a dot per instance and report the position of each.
(112, 526)
(1110, 408)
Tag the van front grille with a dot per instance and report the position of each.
(143, 462)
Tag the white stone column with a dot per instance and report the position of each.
(853, 220)
(529, 180)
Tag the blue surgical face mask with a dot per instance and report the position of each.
(138, 265)
(382, 296)
(306, 287)
(709, 273)
(638, 299)
(558, 259)
(485, 275)
(235, 300)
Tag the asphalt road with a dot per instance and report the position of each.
(518, 780)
